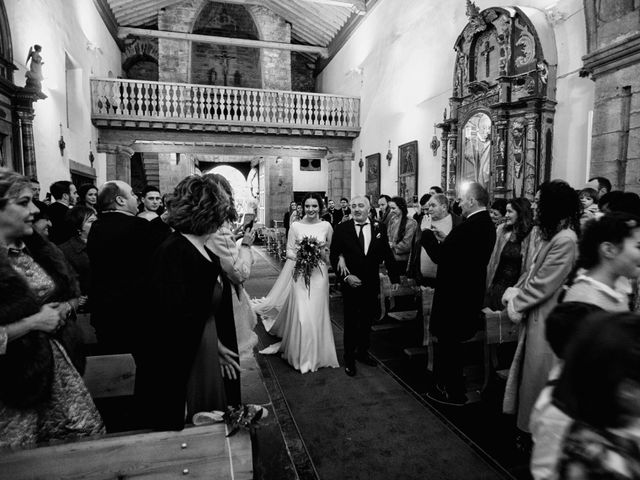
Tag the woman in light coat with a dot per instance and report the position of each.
(551, 258)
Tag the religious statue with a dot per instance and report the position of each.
(476, 164)
(517, 131)
(34, 74)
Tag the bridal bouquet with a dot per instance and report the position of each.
(309, 256)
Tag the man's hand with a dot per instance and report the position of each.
(342, 267)
(395, 287)
(439, 234)
(353, 281)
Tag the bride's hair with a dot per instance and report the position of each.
(314, 196)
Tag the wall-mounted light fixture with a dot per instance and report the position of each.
(389, 154)
(61, 144)
(91, 157)
(361, 163)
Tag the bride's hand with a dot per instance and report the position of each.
(228, 364)
(342, 267)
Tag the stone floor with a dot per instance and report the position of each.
(487, 433)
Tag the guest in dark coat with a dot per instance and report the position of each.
(80, 220)
(286, 221)
(120, 246)
(358, 248)
(462, 259)
(180, 325)
(65, 196)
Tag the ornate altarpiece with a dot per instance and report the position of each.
(373, 177)
(500, 126)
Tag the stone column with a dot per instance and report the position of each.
(530, 170)
(444, 126)
(25, 126)
(118, 161)
(339, 172)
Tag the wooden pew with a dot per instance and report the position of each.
(408, 287)
(196, 452)
(110, 375)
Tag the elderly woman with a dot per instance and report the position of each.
(551, 257)
(400, 231)
(184, 280)
(42, 395)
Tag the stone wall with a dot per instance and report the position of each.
(339, 175)
(613, 61)
(175, 56)
(278, 187)
(302, 79)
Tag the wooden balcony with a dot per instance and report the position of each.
(118, 103)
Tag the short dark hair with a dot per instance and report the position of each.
(617, 201)
(76, 217)
(345, 199)
(604, 353)
(43, 211)
(317, 197)
(524, 223)
(149, 188)
(386, 197)
(602, 183)
(559, 207)
(107, 196)
(478, 193)
(436, 189)
(562, 324)
(500, 204)
(198, 205)
(59, 188)
(589, 192)
(613, 227)
(401, 203)
(424, 199)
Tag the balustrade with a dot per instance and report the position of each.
(146, 100)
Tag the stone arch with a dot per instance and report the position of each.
(225, 65)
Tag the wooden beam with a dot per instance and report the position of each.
(356, 6)
(236, 42)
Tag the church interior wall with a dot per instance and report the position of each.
(310, 181)
(71, 33)
(400, 63)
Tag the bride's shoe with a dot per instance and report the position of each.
(271, 349)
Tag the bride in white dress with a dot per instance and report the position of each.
(297, 314)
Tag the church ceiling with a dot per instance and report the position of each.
(313, 22)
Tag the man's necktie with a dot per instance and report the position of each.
(361, 235)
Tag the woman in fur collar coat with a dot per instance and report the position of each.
(42, 395)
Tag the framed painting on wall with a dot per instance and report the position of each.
(408, 171)
(372, 181)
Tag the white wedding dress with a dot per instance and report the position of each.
(298, 315)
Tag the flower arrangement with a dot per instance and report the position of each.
(308, 257)
(243, 417)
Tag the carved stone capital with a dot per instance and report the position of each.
(114, 149)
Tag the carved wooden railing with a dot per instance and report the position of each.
(162, 101)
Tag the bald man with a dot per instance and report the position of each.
(358, 247)
(120, 246)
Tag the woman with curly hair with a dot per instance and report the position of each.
(88, 196)
(550, 259)
(42, 396)
(182, 324)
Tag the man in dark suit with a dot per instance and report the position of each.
(343, 213)
(65, 195)
(286, 221)
(462, 259)
(120, 246)
(357, 249)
